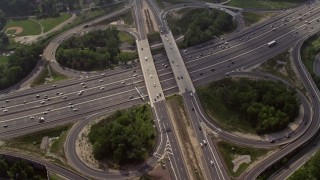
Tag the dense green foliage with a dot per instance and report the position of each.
(265, 105)
(42, 8)
(310, 170)
(95, 50)
(4, 41)
(126, 136)
(199, 26)
(2, 20)
(19, 170)
(309, 51)
(20, 64)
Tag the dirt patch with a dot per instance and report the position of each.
(191, 151)
(84, 148)
(148, 18)
(17, 29)
(159, 173)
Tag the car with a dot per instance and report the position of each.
(31, 117)
(37, 96)
(5, 110)
(57, 93)
(82, 83)
(201, 144)
(41, 119)
(53, 85)
(102, 88)
(271, 141)
(48, 99)
(64, 97)
(84, 86)
(71, 106)
(102, 74)
(100, 80)
(135, 75)
(154, 85)
(70, 103)
(48, 109)
(7, 101)
(24, 101)
(75, 109)
(42, 102)
(204, 142)
(145, 58)
(178, 77)
(288, 136)
(213, 69)
(61, 94)
(211, 162)
(122, 82)
(5, 126)
(131, 97)
(45, 97)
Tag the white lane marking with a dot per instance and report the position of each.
(87, 89)
(28, 116)
(248, 40)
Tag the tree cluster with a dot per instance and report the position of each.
(42, 8)
(93, 51)
(3, 20)
(18, 170)
(126, 136)
(266, 105)
(206, 25)
(311, 170)
(4, 41)
(20, 64)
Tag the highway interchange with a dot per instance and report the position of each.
(117, 89)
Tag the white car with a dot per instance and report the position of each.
(211, 162)
(100, 80)
(102, 88)
(5, 110)
(204, 142)
(154, 85)
(31, 117)
(75, 109)
(201, 144)
(42, 102)
(122, 82)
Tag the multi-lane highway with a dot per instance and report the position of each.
(116, 89)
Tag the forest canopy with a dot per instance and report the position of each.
(127, 136)
(93, 51)
(266, 106)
